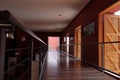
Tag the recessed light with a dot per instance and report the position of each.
(59, 15)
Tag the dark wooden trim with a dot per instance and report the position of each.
(31, 58)
(2, 52)
(5, 15)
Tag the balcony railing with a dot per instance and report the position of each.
(22, 53)
(105, 56)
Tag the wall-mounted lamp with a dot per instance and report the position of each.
(10, 35)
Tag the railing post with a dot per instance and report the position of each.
(31, 57)
(2, 52)
(43, 57)
(103, 55)
(82, 52)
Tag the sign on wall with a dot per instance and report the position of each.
(89, 29)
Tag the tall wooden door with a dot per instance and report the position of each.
(77, 46)
(112, 50)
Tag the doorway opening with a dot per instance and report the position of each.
(109, 34)
(77, 42)
(67, 44)
(53, 54)
(53, 43)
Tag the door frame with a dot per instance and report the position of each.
(77, 54)
(67, 43)
(112, 8)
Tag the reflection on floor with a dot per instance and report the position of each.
(61, 67)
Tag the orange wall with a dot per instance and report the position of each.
(87, 16)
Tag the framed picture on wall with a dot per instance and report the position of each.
(89, 29)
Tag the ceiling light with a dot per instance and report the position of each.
(59, 15)
(117, 12)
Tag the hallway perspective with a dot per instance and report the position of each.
(62, 67)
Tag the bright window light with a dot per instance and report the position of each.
(117, 12)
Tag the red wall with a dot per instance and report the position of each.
(87, 16)
(53, 42)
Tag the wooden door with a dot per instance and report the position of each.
(112, 50)
(77, 46)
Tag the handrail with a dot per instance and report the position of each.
(102, 69)
(92, 64)
(21, 49)
(91, 43)
(23, 74)
(43, 66)
(17, 65)
(6, 15)
(17, 49)
(95, 66)
(65, 53)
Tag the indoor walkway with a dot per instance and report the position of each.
(65, 68)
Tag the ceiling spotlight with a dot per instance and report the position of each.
(59, 15)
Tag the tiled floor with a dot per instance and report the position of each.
(65, 68)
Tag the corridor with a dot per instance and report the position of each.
(61, 67)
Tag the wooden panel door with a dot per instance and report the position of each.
(112, 50)
(77, 46)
